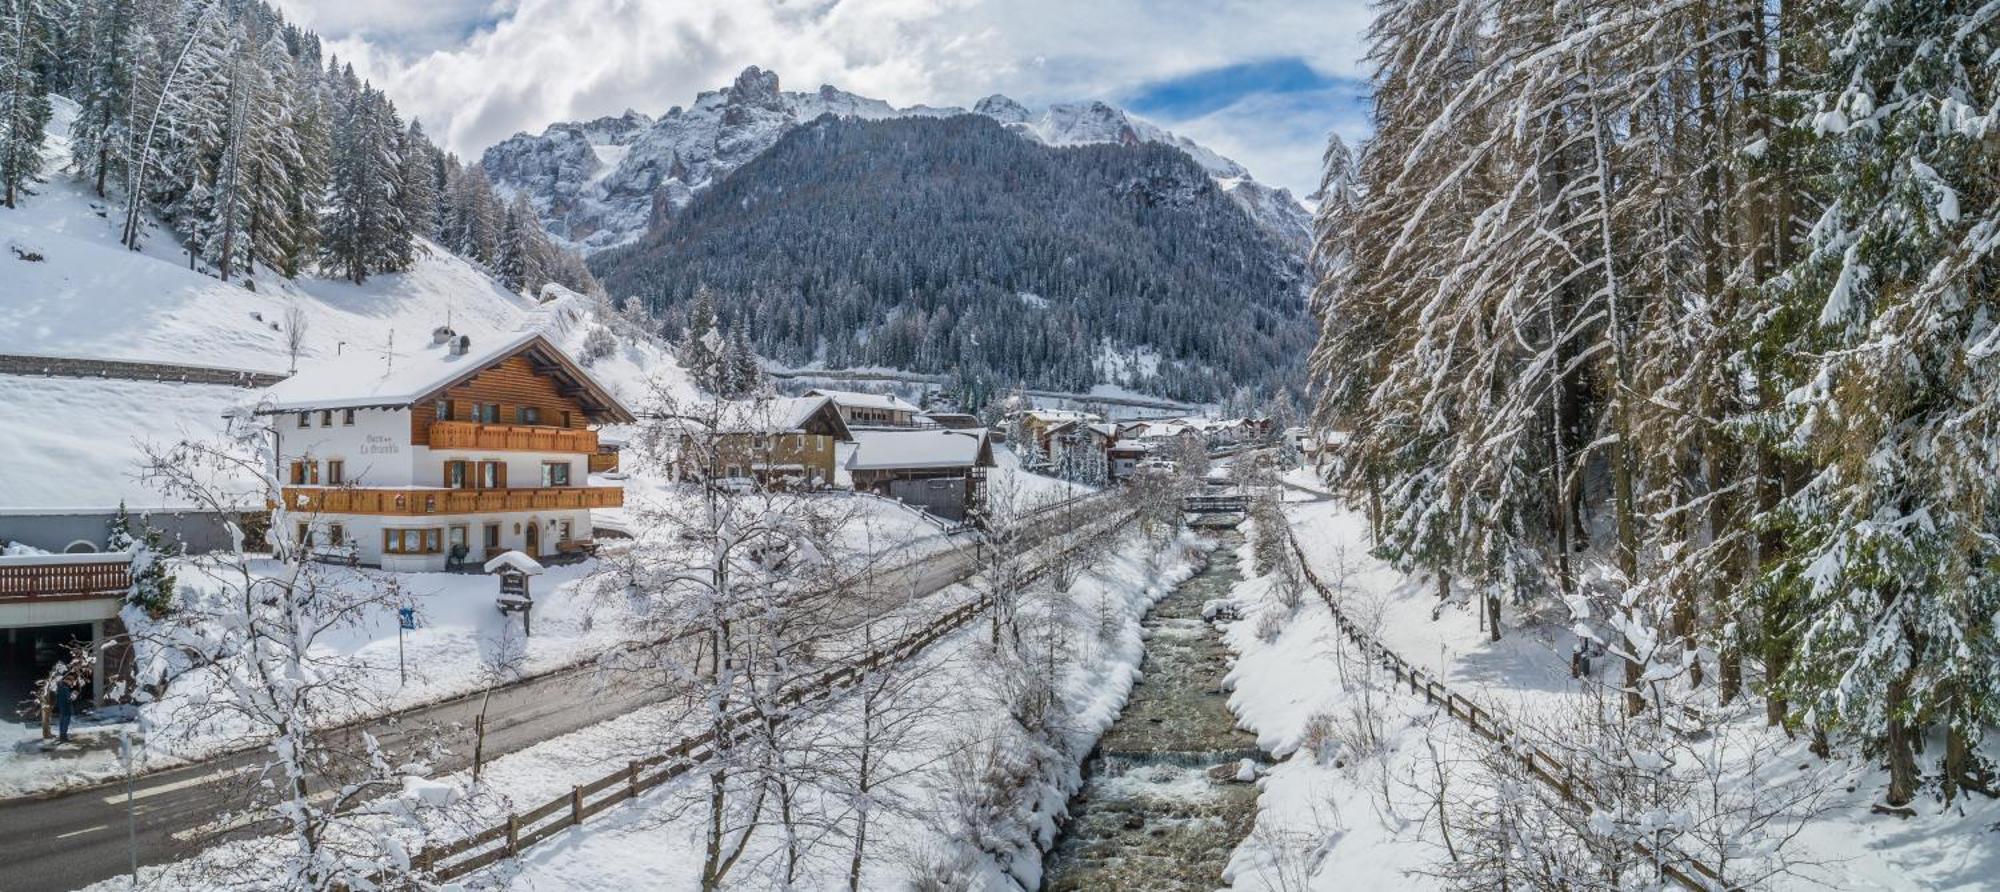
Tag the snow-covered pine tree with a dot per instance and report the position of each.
(702, 343)
(362, 224)
(525, 252)
(416, 182)
(103, 89)
(746, 377)
(25, 46)
(306, 170)
(1893, 547)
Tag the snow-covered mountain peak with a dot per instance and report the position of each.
(1003, 109)
(603, 183)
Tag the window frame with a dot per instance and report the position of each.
(326, 418)
(397, 540)
(347, 418)
(305, 419)
(336, 472)
(553, 469)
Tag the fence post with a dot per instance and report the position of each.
(513, 834)
(576, 805)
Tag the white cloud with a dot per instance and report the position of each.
(528, 63)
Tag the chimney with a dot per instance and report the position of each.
(461, 345)
(441, 334)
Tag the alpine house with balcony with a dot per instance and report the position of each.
(445, 455)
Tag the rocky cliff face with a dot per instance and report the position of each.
(603, 183)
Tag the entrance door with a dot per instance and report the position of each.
(534, 538)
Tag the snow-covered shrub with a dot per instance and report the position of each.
(1271, 624)
(599, 344)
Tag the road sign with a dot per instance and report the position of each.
(407, 617)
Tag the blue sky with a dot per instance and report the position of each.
(1261, 81)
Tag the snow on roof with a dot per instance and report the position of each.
(365, 377)
(776, 415)
(882, 450)
(77, 443)
(516, 560)
(1059, 415)
(1109, 430)
(887, 402)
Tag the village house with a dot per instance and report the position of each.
(778, 442)
(1037, 425)
(451, 453)
(871, 409)
(942, 472)
(1123, 459)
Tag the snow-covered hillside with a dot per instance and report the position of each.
(599, 184)
(68, 289)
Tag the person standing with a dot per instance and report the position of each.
(65, 706)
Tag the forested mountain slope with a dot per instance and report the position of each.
(951, 245)
(602, 183)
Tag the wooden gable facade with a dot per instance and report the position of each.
(538, 378)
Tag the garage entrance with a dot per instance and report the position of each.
(26, 656)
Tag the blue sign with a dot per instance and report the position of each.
(407, 616)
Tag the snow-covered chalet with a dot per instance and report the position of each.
(448, 454)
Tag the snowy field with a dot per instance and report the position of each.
(1334, 815)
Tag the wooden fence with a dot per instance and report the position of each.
(523, 829)
(1550, 771)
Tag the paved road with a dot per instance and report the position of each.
(79, 837)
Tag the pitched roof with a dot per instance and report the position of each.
(776, 415)
(889, 450)
(887, 402)
(370, 379)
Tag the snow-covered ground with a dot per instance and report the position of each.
(69, 289)
(657, 844)
(1333, 817)
(1026, 489)
(79, 443)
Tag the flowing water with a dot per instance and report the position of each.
(1161, 807)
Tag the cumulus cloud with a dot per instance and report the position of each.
(477, 71)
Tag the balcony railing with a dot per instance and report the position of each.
(525, 438)
(420, 502)
(65, 576)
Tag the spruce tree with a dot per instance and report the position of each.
(25, 45)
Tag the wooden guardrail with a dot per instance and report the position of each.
(520, 830)
(64, 576)
(1553, 773)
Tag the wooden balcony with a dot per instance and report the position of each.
(511, 437)
(423, 502)
(65, 577)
